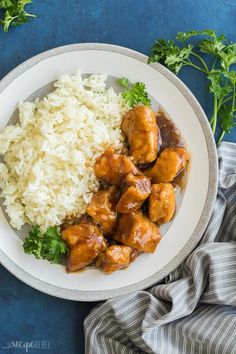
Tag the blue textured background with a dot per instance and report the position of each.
(26, 314)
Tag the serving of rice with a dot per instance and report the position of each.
(49, 155)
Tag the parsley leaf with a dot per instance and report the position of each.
(212, 46)
(135, 93)
(33, 243)
(228, 56)
(170, 55)
(5, 4)
(48, 245)
(227, 121)
(219, 88)
(124, 82)
(14, 13)
(221, 56)
(183, 36)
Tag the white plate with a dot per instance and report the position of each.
(199, 197)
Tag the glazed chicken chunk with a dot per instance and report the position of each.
(114, 258)
(170, 162)
(112, 167)
(137, 188)
(102, 208)
(85, 242)
(161, 203)
(137, 231)
(140, 127)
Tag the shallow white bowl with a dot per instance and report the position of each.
(195, 210)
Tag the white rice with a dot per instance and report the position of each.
(49, 156)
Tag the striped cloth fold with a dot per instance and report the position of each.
(193, 309)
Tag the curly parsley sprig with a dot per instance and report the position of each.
(134, 94)
(46, 245)
(14, 13)
(214, 56)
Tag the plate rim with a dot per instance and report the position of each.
(81, 295)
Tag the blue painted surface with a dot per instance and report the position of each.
(26, 314)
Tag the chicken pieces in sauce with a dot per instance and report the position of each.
(114, 258)
(85, 243)
(102, 209)
(140, 127)
(115, 211)
(136, 189)
(137, 231)
(112, 167)
(168, 164)
(161, 203)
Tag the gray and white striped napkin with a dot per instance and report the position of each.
(191, 311)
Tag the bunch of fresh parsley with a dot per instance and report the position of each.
(14, 13)
(46, 245)
(134, 94)
(215, 57)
